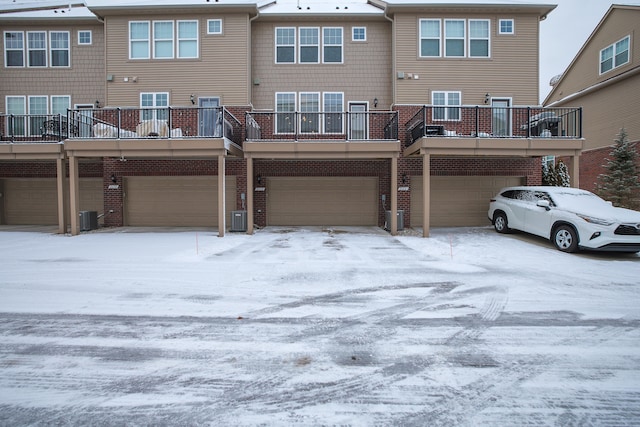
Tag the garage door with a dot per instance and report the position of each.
(322, 201)
(34, 201)
(176, 200)
(458, 201)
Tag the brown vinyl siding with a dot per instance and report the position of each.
(365, 73)
(585, 70)
(83, 81)
(510, 71)
(222, 68)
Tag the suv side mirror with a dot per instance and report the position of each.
(544, 204)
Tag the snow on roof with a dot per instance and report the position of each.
(40, 11)
(153, 3)
(315, 7)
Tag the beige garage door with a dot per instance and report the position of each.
(34, 201)
(322, 201)
(458, 201)
(175, 200)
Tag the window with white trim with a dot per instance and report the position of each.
(85, 37)
(154, 105)
(285, 45)
(36, 48)
(16, 119)
(430, 38)
(332, 45)
(358, 34)
(309, 112)
(479, 38)
(333, 107)
(139, 39)
(37, 110)
(285, 112)
(309, 45)
(614, 55)
(60, 104)
(187, 39)
(163, 39)
(506, 26)
(13, 49)
(454, 38)
(214, 26)
(60, 48)
(446, 105)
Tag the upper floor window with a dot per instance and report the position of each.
(285, 109)
(359, 34)
(450, 102)
(614, 55)
(36, 49)
(479, 38)
(454, 36)
(309, 45)
(214, 26)
(430, 37)
(333, 108)
(60, 48)
(84, 37)
(285, 45)
(506, 26)
(14, 49)
(171, 39)
(332, 45)
(139, 44)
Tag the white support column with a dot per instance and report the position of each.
(74, 195)
(249, 195)
(426, 193)
(222, 196)
(61, 180)
(394, 196)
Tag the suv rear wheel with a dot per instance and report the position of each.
(500, 223)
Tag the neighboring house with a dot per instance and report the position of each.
(293, 112)
(604, 78)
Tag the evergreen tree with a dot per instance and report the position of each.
(620, 183)
(562, 175)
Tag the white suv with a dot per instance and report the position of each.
(571, 218)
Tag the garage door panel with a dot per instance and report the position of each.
(457, 201)
(176, 200)
(322, 201)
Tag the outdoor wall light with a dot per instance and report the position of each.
(113, 178)
(97, 103)
(375, 102)
(259, 177)
(404, 178)
(193, 99)
(487, 98)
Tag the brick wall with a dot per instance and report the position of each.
(46, 169)
(593, 163)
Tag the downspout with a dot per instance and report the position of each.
(393, 59)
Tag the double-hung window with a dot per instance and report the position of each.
(14, 49)
(60, 48)
(454, 38)
(16, 119)
(333, 112)
(309, 112)
(479, 38)
(163, 39)
(37, 114)
(429, 38)
(139, 36)
(187, 39)
(332, 45)
(309, 45)
(446, 105)
(285, 112)
(154, 106)
(285, 45)
(614, 55)
(36, 49)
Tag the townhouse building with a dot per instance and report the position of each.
(604, 78)
(286, 112)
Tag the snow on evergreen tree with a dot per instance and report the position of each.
(548, 175)
(562, 175)
(620, 183)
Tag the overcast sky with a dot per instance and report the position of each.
(564, 32)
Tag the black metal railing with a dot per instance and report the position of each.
(494, 122)
(36, 127)
(315, 126)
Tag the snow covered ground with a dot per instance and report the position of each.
(305, 327)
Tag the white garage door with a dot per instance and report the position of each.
(322, 201)
(34, 201)
(458, 201)
(175, 201)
